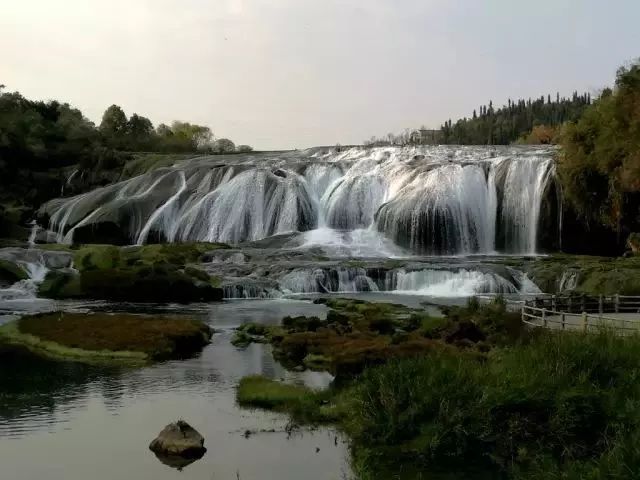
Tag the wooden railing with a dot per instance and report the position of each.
(583, 312)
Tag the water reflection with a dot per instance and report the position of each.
(174, 461)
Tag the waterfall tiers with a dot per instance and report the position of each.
(391, 201)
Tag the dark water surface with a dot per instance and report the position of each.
(68, 421)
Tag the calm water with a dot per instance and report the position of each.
(69, 421)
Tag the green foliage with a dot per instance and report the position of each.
(302, 403)
(10, 272)
(595, 275)
(250, 333)
(600, 161)
(244, 149)
(41, 143)
(564, 398)
(224, 145)
(518, 119)
(149, 273)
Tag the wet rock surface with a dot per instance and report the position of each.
(178, 439)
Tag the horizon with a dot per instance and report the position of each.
(344, 72)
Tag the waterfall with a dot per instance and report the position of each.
(443, 211)
(444, 200)
(444, 283)
(521, 198)
(35, 264)
(460, 282)
(321, 280)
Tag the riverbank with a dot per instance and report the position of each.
(107, 338)
(527, 406)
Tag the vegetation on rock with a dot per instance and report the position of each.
(102, 336)
(593, 275)
(10, 272)
(359, 334)
(149, 273)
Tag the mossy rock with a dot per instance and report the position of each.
(147, 284)
(103, 337)
(148, 273)
(11, 273)
(137, 284)
(61, 284)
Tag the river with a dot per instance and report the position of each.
(63, 420)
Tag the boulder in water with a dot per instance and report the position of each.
(179, 439)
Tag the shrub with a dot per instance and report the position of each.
(563, 397)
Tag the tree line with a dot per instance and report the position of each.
(49, 134)
(515, 121)
(519, 121)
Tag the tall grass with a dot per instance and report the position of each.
(559, 403)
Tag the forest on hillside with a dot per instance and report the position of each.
(515, 121)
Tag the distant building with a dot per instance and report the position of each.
(425, 136)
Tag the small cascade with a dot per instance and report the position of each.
(460, 282)
(35, 228)
(444, 283)
(444, 200)
(243, 290)
(35, 264)
(568, 281)
(328, 280)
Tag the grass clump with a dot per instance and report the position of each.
(71, 335)
(259, 391)
(302, 403)
(562, 399)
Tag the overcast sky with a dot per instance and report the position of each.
(298, 73)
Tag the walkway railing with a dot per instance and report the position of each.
(585, 313)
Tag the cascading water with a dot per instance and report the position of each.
(428, 200)
(34, 264)
(459, 282)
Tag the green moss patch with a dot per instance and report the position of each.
(107, 336)
(596, 275)
(302, 403)
(149, 273)
(10, 272)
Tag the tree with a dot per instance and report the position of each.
(224, 145)
(139, 133)
(198, 136)
(600, 161)
(244, 149)
(114, 126)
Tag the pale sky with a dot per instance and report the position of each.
(298, 73)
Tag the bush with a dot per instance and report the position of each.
(599, 165)
(564, 397)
